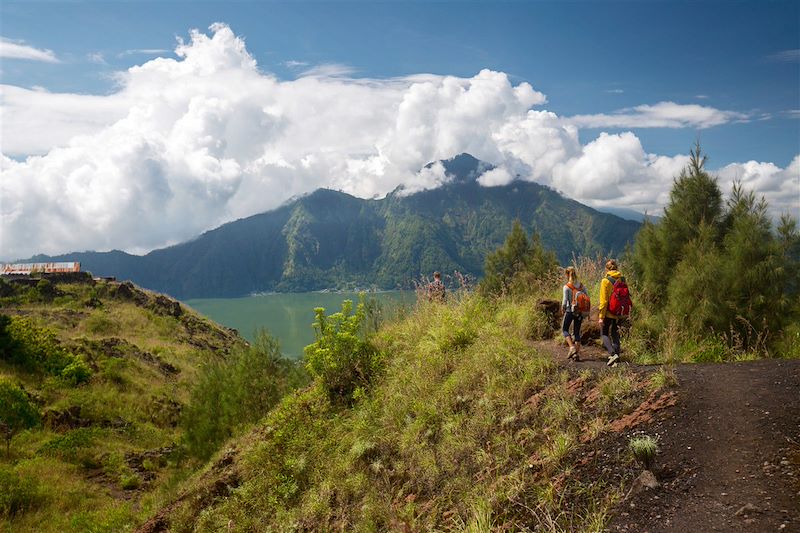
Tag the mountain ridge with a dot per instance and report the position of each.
(331, 239)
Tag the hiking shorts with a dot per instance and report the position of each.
(573, 320)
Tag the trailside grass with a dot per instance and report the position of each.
(466, 428)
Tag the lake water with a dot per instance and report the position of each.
(288, 316)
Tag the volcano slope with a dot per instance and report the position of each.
(472, 425)
(106, 369)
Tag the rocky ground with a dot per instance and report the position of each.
(729, 450)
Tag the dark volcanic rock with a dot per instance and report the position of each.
(64, 420)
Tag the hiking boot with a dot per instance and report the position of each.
(612, 361)
(576, 358)
(572, 353)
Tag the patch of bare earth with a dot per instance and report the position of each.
(729, 448)
(729, 453)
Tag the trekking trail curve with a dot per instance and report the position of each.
(729, 450)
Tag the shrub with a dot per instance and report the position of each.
(37, 349)
(74, 446)
(99, 324)
(340, 358)
(235, 392)
(112, 370)
(17, 412)
(46, 289)
(539, 325)
(788, 346)
(644, 449)
(7, 342)
(17, 494)
(130, 482)
(76, 372)
(6, 289)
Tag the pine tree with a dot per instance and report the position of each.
(789, 242)
(695, 200)
(696, 296)
(503, 263)
(720, 270)
(518, 258)
(754, 268)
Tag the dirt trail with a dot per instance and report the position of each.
(729, 456)
(592, 356)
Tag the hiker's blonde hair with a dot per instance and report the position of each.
(572, 275)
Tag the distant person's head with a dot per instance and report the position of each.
(611, 264)
(571, 275)
(437, 276)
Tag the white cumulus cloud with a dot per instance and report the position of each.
(188, 142)
(660, 115)
(11, 49)
(780, 186)
(496, 177)
(614, 169)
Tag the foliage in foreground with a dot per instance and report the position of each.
(36, 349)
(17, 412)
(341, 359)
(465, 426)
(236, 392)
(17, 493)
(93, 377)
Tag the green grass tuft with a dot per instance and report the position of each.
(644, 449)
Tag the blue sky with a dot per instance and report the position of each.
(626, 86)
(587, 57)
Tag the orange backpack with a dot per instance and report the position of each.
(581, 304)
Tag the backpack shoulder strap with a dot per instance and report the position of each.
(611, 280)
(573, 292)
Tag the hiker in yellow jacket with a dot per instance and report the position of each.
(609, 323)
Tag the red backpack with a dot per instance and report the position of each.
(580, 301)
(620, 301)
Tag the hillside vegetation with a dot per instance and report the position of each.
(94, 379)
(453, 422)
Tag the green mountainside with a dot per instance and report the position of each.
(94, 378)
(329, 239)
